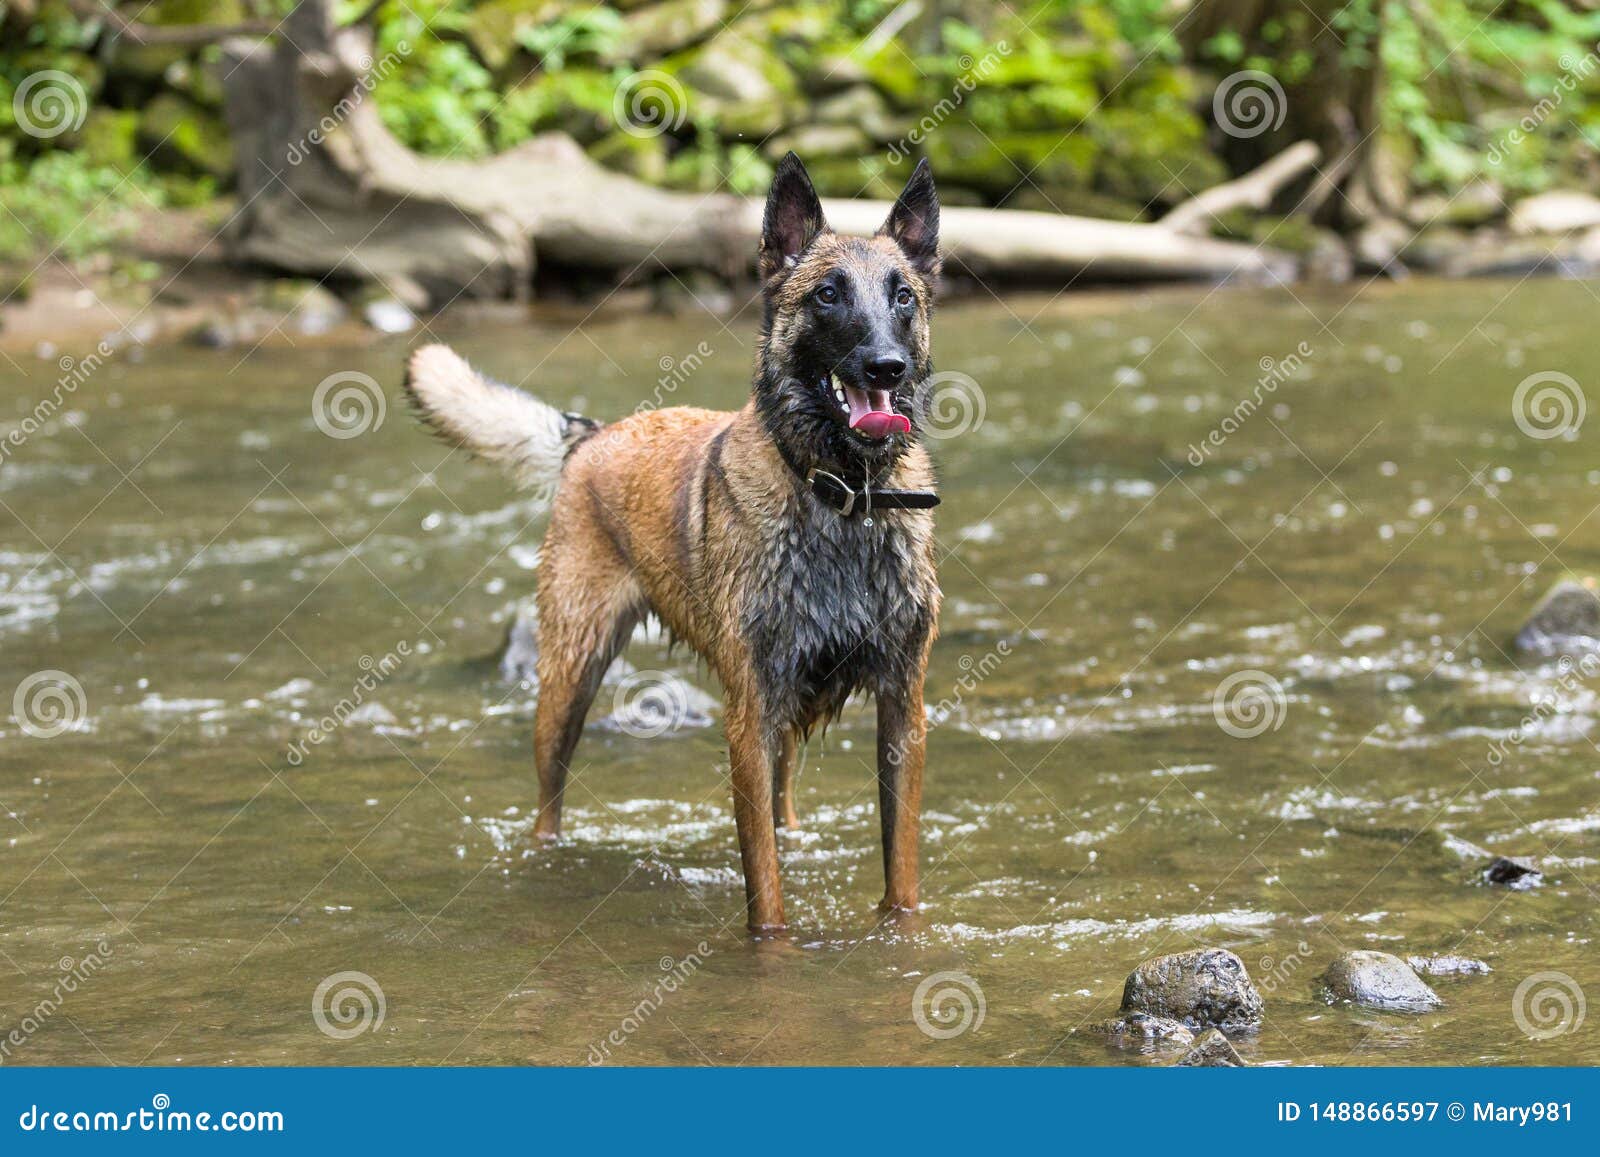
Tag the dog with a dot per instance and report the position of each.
(790, 544)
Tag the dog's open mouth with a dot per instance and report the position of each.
(869, 413)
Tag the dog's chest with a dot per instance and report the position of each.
(836, 605)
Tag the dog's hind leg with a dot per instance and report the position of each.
(585, 617)
(785, 765)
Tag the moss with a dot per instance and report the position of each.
(642, 157)
(110, 138)
(181, 134)
(576, 100)
(996, 164)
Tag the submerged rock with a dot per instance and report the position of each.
(1566, 620)
(1448, 964)
(1203, 988)
(1519, 873)
(1143, 1026)
(644, 704)
(520, 656)
(1378, 980)
(1211, 1051)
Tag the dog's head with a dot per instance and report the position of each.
(844, 338)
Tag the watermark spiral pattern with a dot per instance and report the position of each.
(649, 103)
(955, 405)
(347, 1004)
(1547, 1005)
(948, 1004)
(48, 703)
(49, 103)
(1248, 703)
(1548, 405)
(650, 703)
(348, 404)
(1249, 103)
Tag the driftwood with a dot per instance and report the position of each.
(326, 189)
(1254, 190)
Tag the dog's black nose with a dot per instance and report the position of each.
(884, 371)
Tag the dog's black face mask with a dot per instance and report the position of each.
(844, 342)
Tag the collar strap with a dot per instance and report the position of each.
(833, 491)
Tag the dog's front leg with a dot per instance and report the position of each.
(749, 750)
(902, 744)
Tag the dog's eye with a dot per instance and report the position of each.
(904, 297)
(827, 295)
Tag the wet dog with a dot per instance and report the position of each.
(790, 543)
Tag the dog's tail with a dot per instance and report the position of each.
(497, 422)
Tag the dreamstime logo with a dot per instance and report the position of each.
(50, 103)
(347, 1004)
(650, 703)
(1547, 1005)
(1249, 103)
(74, 974)
(674, 975)
(649, 103)
(972, 72)
(369, 76)
(1274, 372)
(1248, 703)
(48, 703)
(947, 1004)
(348, 404)
(1548, 405)
(955, 405)
(1274, 973)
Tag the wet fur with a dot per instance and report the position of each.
(699, 518)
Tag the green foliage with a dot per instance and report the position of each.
(1480, 88)
(64, 203)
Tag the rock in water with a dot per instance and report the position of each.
(1203, 988)
(1566, 621)
(1519, 873)
(1143, 1026)
(1378, 980)
(1211, 1051)
(519, 659)
(1448, 964)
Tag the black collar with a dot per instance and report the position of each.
(831, 490)
(837, 494)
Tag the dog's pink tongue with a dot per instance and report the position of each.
(870, 413)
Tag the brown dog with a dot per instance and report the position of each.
(789, 543)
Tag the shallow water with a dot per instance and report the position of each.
(216, 574)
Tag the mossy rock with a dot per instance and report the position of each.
(642, 157)
(1148, 158)
(997, 165)
(667, 27)
(491, 29)
(578, 101)
(815, 141)
(184, 135)
(731, 68)
(151, 61)
(110, 138)
(870, 177)
(1046, 106)
(863, 106)
(898, 78)
(1077, 202)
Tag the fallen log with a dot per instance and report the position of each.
(1254, 190)
(327, 190)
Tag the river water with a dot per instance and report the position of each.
(1246, 692)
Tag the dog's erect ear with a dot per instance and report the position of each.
(914, 220)
(793, 217)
